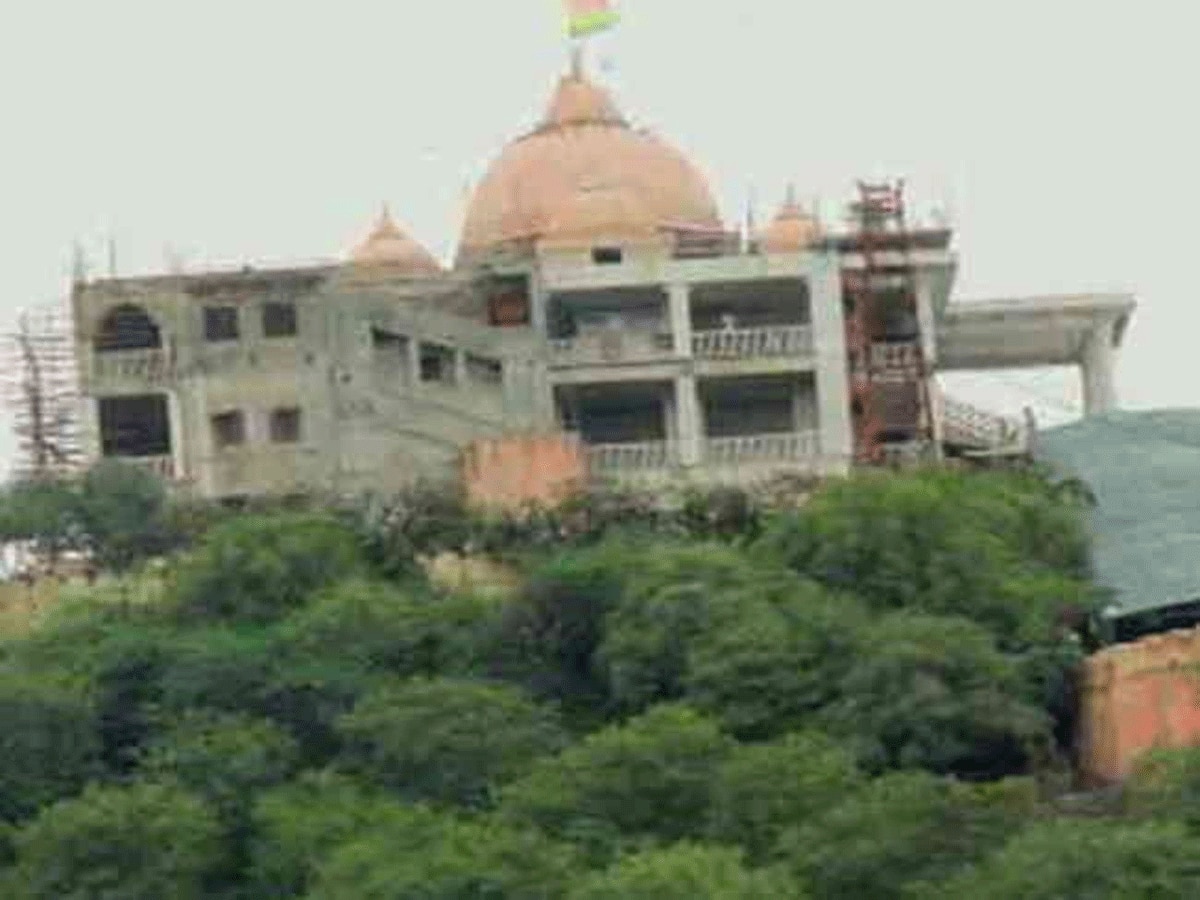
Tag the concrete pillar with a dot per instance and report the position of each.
(925, 317)
(689, 429)
(413, 362)
(175, 426)
(679, 307)
(460, 369)
(833, 382)
(537, 304)
(1097, 366)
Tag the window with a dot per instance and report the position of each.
(437, 363)
(606, 256)
(228, 429)
(128, 328)
(482, 370)
(220, 323)
(285, 426)
(279, 320)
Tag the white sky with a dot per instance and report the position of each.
(1060, 136)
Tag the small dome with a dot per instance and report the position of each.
(793, 229)
(540, 181)
(388, 247)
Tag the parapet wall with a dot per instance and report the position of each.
(514, 471)
(1138, 697)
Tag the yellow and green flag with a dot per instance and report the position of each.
(586, 17)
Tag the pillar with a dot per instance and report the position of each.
(679, 308)
(833, 382)
(688, 428)
(1097, 370)
(175, 426)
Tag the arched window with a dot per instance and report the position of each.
(128, 327)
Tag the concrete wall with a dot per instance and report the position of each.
(509, 472)
(1137, 697)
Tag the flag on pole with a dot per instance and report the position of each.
(587, 17)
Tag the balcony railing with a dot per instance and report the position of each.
(612, 459)
(895, 355)
(612, 346)
(743, 343)
(132, 365)
(752, 448)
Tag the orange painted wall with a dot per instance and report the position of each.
(1137, 697)
(514, 471)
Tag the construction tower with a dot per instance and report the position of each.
(40, 387)
(889, 378)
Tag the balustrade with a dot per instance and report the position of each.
(780, 447)
(132, 365)
(630, 457)
(742, 343)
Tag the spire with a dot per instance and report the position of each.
(576, 63)
(789, 196)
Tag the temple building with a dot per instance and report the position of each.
(595, 292)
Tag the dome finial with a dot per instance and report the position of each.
(789, 196)
(576, 69)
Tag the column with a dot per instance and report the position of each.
(833, 383)
(1096, 368)
(679, 309)
(537, 304)
(925, 318)
(688, 427)
(175, 426)
(460, 369)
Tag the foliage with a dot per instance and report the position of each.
(941, 542)
(257, 569)
(1165, 784)
(143, 842)
(401, 629)
(446, 741)
(1084, 858)
(686, 872)
(653, 776)
(434, 857)
(48, 745)
(933, 692)
(900, 829)
(762, 789)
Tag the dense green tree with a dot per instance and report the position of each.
(686, 872)
(446, 859)
(259, 568)
(763, 789)
(401, 629)
(653, 776)
(933, 692)
(297, 825)
(48, 744)
(1086, 859)
(123, 512)
(446, 741)
(770, 666)
(900, 829)
(942, 542)
(141, 842)
(45, 512)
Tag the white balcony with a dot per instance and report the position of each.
(144, 366)
(747, 343)
(783, 447)
(623, 459)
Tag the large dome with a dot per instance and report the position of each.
(584, 147)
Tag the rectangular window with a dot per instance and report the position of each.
(220, 323)
(285, 426)
(437, 363)
(481, 370)
(606, 256)
(228, 429)
(279, 320)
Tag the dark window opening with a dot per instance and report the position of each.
(279, 320)
(856, 407)
(482, 370)
(847, 306)
(285, 426)
(228, 429)
(606, 256)
(220, 323)
(128, 327)
(437, 363)
(135, 426)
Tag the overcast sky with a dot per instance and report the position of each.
(1061, 137)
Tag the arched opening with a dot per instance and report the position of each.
(128, 327)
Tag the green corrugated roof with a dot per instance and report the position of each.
(1144, 468)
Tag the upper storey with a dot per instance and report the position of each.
(584, 173)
